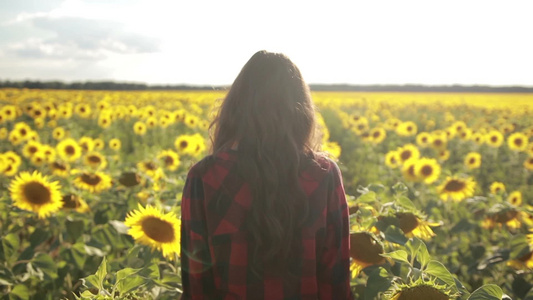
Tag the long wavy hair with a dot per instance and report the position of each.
(269, 116)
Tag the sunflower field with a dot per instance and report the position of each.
(440, 191)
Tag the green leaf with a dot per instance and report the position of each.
(130, 283)
(369, 197)
(395, 235)
(487, 292)
(77, 252)
(10, 245)
(97, 280)
(419, 250)
(399, 188)
(406, 203)
(378, 281)
(46, 264)
(74, 229)
(398, 255)
(437, 269)
(20, 291)
(39, 236)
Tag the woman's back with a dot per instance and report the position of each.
(217, 255)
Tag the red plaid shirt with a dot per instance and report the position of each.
(214, 248)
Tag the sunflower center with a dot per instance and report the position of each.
(376, 134)
(408, 222)
(158, 230)
(422, 292)
(454, 185)
(183, 144)
(150, 166)
(91, 179)
(169, 160)
(472, 161)
(437, 142)
(505, 216)
(526, 257)
(32, 149)
(70, 201)
(95, 159)
(518, 142)
(36, 193)
(70, 150)
(424, 139)
(426, 170)
(405, 155)
(59, 166)
(493, 139)
(365, 249)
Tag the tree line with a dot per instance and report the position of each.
(127, 86)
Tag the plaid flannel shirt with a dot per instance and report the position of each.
(214, 248)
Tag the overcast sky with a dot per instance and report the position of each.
(207, 42)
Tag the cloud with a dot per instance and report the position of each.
(81, 38)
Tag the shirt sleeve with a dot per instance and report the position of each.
(196, 267)
(334, 263)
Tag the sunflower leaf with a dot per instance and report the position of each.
(437, 269)
(20, 291)
(419, 250)
(9, 246)
(395, 235)
(46, 264)
(405, 202)
(398, 255)
(487, 292)
(369, 197)
(97, 280)
(378, 281)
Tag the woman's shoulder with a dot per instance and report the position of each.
(321, 164)
(222, 158)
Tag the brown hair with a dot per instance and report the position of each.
(268, 113)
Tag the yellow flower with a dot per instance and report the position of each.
(99, 144)
(152, 227)
(517, 141)
(427, 169)
(115, 144)
(408, 169)
(392, 160)
(528, 163)
(456, 188)
(473, 160)
(95, 160)
(139, 128)
(515, 198)
(332, 148)
(494, 138)
(365, 251)
(94, 182)
(444, 154)
(424, 139)
(74, 202)
(31, 148)
(420, 290)
(408, 151)
(58, 133)
(151, 169)
(33, 192)
(69, 150)
(60, 169)
(523, 262)
(497, 187)
(478, 137)
(86, 143)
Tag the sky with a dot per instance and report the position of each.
(206, 42)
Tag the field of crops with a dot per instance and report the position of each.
(440, 188)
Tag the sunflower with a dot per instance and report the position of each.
(38, 159)
(499, 216)
(83, 110)
(74, 202)
(524, 261)
(94, 182)
(95, 160)
(439, 141)
(130, 179)
(115, 144)
(444, 154)
(420, 290)
(86, 143)
(473, 160)
(151, 169)
(60, 169)
(478, 138)
(184, 144)
(31, 148)
(3, 133)
(360, 126)
(9, 112)
(12, 163)
(408, 169)
(528, 163)
(427, 170)
(515, 198)
(459, 126)
(69, 149)
(414, 225)
(529, 149)
(49, 152)
(35, 193)
(99, 144)
(23, 130)
(497, 187)
(139, 128)
(152, 227)
(377, 135)
(494, 138)
(58, 133)
(365, 251)
(392, 160)
(408, 151)
(332, 148)
(104, 120)
(15, 138)
(424, 139)
(456, 188)
(517, 141)
(151, 122)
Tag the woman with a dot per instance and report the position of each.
(265, 215)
